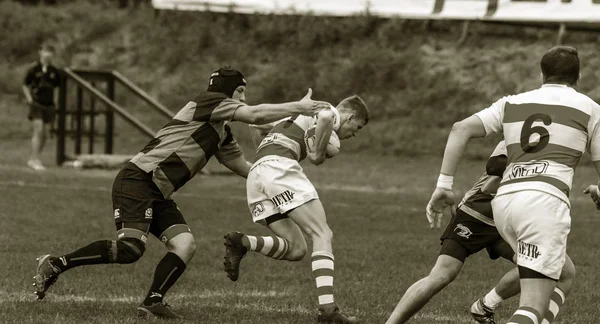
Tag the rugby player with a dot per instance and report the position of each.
(281, 197)
(141, 192)
(546, 130)
(470, 230)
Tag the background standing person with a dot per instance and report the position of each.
(40, 84)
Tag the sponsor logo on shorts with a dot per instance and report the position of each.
(144, 238)
(120, 235)
(258, 209)
(528, 169)
(528, 250)
(283, 198)
(148, 213)
(463, 231)
(117, 213)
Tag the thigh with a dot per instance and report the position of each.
(167, 220)
(35, 112)
(310, 217)
(261, 207)
(542, 225)
(502, 209)
(48, 114)
(285, 184)
(133, 195)
(446, 266)
(469, 232)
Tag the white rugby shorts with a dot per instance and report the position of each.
(536, 225)
(276, 185)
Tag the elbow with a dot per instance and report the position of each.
(255, 117)
(458, 127)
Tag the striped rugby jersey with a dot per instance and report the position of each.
(286, 138)
(183, 146)
(546, 131)
(476, 203)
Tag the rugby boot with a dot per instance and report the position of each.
(159, 309)
(482, 313)
(234, 253)
(334, 315)
(46, 275)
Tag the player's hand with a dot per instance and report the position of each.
(440, 199)
(316, 160)
(28, 101)
(592, 190)
(309, 107)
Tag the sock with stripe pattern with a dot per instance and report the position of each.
(556, 301)
(93, 253)
(322, 267)
(168, 270)
(525, 315)
(272, 246)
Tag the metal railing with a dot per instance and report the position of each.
(85, 82)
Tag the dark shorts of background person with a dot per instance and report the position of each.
(137, 203)
(466, 235)
(40, 111)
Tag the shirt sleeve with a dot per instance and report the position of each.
(225, 110)
(492, 116)
(594, 134)
(229, 149)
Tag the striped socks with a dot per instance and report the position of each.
(322, 267)
(272, 246)
(556, 301)
(525, 315)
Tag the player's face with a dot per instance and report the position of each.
(239, 94)
(350, 127)
(46, 56)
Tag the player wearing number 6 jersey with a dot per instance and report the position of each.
(546, 132)
(281, 197)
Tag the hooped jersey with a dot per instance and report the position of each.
(547, 130)
(475, 202)
(183, 147)
(286, 138)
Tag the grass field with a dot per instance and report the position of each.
(382, 245)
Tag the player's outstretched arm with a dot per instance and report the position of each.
(323, 132)
(239, 166)
(266, 113)
(443, 196)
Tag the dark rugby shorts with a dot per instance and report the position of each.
(466, 235)
(40, 111)
(136, 199)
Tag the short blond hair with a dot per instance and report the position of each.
(357, 106)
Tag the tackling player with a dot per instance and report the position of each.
(141, 192)
(281, 197)
(547, 130)
(471, 230)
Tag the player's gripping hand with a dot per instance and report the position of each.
(440, 199)
(311, 107)
(592, 190)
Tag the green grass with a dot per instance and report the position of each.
(382, 245)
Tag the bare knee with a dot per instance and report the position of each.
(184, 245)
(445, 271)
(441, 277)
(297, 250)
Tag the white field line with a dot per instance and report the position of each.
(54, 298)
(208, 299)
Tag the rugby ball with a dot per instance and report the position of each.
(333, 147)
